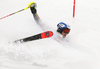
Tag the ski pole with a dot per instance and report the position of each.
(18, 11)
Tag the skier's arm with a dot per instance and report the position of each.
(36, 17)
(40, 23)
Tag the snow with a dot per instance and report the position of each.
(81, 51)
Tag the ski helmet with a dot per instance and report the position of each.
(62, 27)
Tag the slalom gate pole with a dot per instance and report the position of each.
(74, 8)
(18, 11)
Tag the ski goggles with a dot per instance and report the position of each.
(66, 30)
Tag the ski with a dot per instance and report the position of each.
(42, 35)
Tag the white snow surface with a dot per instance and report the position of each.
(80, 51)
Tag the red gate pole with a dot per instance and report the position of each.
(74, 8)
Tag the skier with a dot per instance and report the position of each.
(63, 28)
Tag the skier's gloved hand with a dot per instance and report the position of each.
(33, 8)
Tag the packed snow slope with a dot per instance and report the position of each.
(80, 51)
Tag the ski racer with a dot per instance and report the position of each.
(63, 28)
